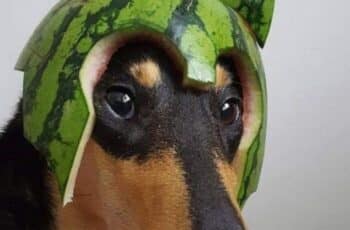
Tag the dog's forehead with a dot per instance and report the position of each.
(148, 73)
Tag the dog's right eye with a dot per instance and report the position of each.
(231, 110)
(121, 101)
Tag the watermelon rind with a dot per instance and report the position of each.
(71, 47)
(258, 15)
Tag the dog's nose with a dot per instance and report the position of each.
(210, 205)
(219, 216)
(195, 140)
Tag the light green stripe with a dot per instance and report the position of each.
(200, 53)
(61, 149)
(152, 13)
(46, 93)
(216, 21)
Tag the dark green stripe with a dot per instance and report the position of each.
(68, 81)
(252, 160)
(258, 14)
(183, 16)
(31, 90)
(238, 33)
(253, 12)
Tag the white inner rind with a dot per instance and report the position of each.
(92, 69)
(252, 117)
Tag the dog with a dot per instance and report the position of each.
(159, 156)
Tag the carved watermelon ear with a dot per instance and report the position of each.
(258, 14)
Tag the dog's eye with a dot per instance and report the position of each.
(231, 110)
(121, 101)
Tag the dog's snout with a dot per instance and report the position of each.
(199, 147)
(210, 204)
(181, 128)
(221, 217)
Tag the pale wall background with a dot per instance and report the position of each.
(305, 179)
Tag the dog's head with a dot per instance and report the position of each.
(167, 150)
(170, 95)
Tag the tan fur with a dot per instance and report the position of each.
(222, 77)
(146, 73)
(128, 195)
(229, 179)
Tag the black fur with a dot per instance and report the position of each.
(25, 196)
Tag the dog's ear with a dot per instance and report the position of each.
(258, 14)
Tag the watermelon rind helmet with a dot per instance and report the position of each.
(72, 46)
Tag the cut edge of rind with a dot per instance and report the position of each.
(254, 120)
(91, 71)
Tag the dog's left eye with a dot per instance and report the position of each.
(231, 110)
(121, 101)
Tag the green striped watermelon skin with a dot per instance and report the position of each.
(55, 108)
(258, 14)
(255, 154)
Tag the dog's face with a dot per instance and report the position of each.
(165, 151)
